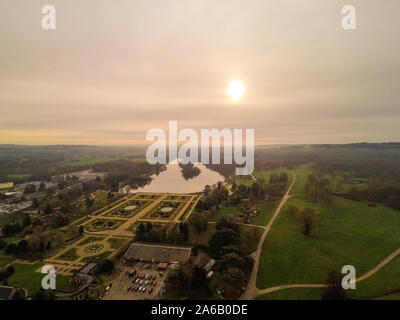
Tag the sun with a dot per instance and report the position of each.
(235, 89)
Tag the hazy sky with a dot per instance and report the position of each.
(112, 70)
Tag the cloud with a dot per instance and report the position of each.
(111, 72)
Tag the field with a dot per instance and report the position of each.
(226, 211)
(301, 173)
(348, 232)
(26, 276)
(265, 213)
(87, 162)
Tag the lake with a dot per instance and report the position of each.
(172, 181)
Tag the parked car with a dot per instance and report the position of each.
(144, 289)
(154, 283)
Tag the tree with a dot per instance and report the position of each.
(184, 229)
(12, 228)
(106, 266)
(199, 221)
(81, 229)
(3, 244)
(42, 187)
(41, 246)
(223, 223)
(140, 232)
(26, 221)
(11, 248)
(42, 294)
(223, 242)
(308, 219)
(30, 188)
(89, 202)
(35, 203)
(22, 246)
(48, 209)
(10, 270)
(334, 290)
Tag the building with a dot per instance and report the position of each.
(162, 266)
(6, 186)
(157, 253)
(85, 283)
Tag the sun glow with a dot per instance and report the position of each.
(235, 89)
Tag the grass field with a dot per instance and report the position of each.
(245, 180)
(226, 211)
(4, 260)
(348, 232)
(265, 213)
(293, 294)
(383, 285)
(301, 173)
(87, 162)
(69, 255)
(265, 174)
(385, 282)
(17, 176)
(26, 276)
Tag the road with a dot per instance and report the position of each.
(251, 291)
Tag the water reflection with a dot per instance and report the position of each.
(172, 181)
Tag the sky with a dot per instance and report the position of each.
(112, 70)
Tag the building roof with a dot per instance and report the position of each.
(163, 265)
(88, 268)
(158, 253)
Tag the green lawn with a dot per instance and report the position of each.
(301, 173)
(265, 174)
(4, 260)
(385, 282)
(69, 255)
(26, 276)
(265, 213)
(226, 211)
(245, 180)
(293, 294)
(17, 176)
(383, 285)
(348, 232)
(87, 161)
